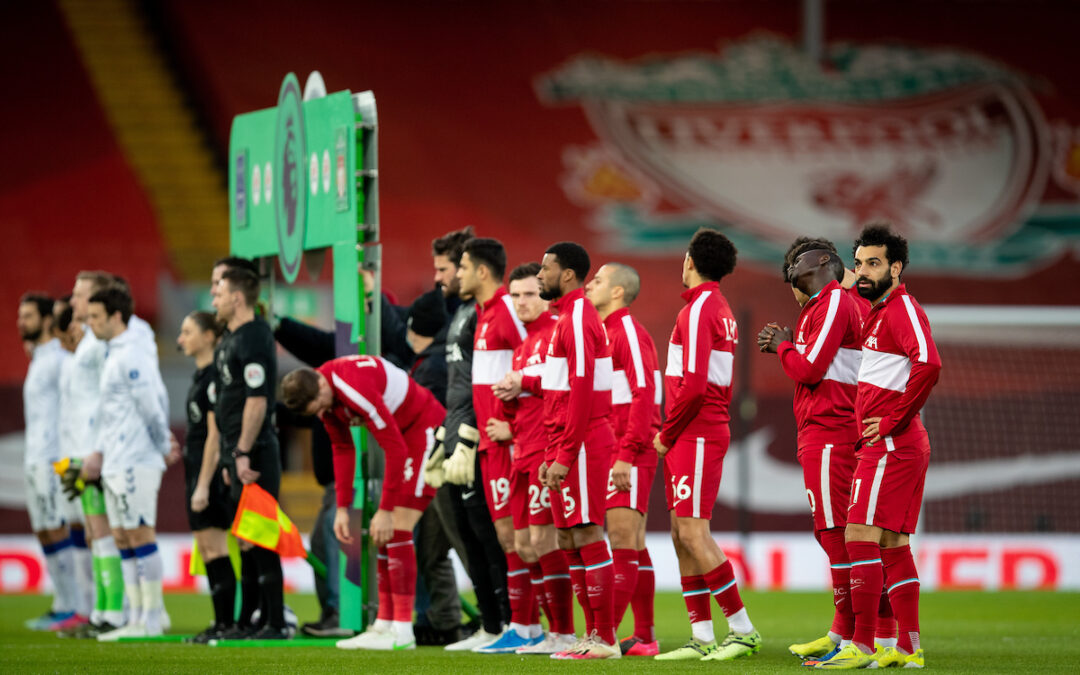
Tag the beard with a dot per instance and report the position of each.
(31, 335)
(550, 293)
(448, 291)
(875, 290)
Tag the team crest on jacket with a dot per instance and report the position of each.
(761, 139)
(194, 414)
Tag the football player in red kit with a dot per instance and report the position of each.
(576, 387)
(823, 357)
(693, 441)
(635, 400)
(402, 416)
(530, 500)
(900, 366)
(885, 635)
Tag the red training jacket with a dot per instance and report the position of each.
(900, 365)
(824, 362)
(635, 388)
(498, 332)
(701, 359)
(861, 303)
(526, 412)
(382, 397)
(576, 384)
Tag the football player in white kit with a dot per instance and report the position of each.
(44, 500)
(132, 433)
(69, 332)
(81, 393)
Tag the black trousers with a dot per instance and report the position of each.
(486, 560)
(436, 572)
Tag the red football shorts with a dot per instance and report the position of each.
(887, 488)
(414, 493)
(582, 500)
(495, 465)
(637, 497)
(827, 472)
(530, 502)
(692, 470)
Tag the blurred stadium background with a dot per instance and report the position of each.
(625, 126)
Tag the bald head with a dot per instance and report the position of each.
(627, 278)
(614, 286)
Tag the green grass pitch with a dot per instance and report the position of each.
(962, 633)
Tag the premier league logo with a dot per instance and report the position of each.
(289, 156)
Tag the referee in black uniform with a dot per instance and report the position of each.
(247, 376)
(207, 500)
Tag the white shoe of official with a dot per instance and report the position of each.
(359, 641)
(480, 638)
(552, 644)
(131, 630)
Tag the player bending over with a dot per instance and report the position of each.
(402, 417)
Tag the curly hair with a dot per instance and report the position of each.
(571, 256)
(880, 234)
(713, 254)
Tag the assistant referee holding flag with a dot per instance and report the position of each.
(247, 375)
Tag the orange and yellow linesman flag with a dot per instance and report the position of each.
(261, 521)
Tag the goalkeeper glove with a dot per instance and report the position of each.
(460, 468)
(69, 470)
(433, 467)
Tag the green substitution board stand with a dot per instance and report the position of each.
(303, 181)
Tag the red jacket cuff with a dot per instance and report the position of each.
(627, 453)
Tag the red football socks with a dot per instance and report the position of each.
(642, 601)
(866, 580)
(886, 621)
(625, 561)
(539, 599)
(722, 586)
(577, 577)
(559, 592)
(382, 581)
(696, 596)
(518, 588)
(402, 572)
(902, 581)
(844, 618)
(600, 582)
